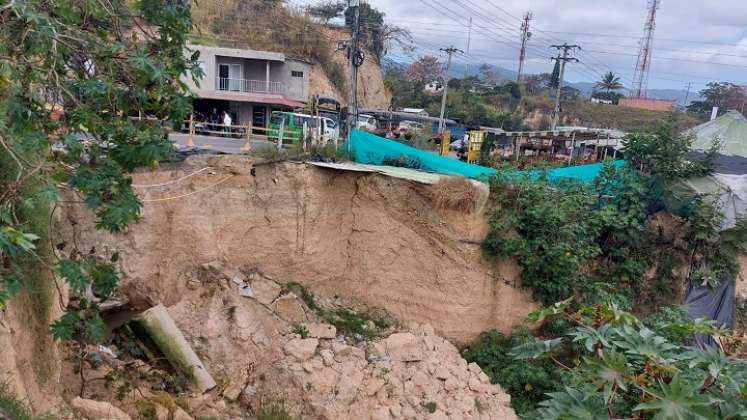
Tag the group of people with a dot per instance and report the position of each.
(217, 119)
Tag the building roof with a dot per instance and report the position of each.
(730, 129)
(250, 97)
(239, 52)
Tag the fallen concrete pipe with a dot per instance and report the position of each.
(159, 325)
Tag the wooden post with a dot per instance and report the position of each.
(573, 147)
(190, 136)
(280, 133)
(248, 145)
(304, 136)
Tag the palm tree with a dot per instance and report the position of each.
(609, 82)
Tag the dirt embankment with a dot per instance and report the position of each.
(371, 240)
(371, 90)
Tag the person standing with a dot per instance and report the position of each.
(227, 122)
(214, 119)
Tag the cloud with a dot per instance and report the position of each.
(708, 26)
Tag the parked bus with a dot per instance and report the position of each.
(293, 124)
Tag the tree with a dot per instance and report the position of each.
(377, 36)
(425, 69)
(536, 82)
(487, 75)
(609, 82)
(72, 71)
(719, 94)
(327, 10)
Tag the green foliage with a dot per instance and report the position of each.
(94, 68)
(273, 408)
(554, 231)
(301, 330)
(14, 409)
(626, 369)
(429, 406)
(661, 153)
(526, 380)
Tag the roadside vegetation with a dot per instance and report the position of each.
(612, 343)
(71, 78)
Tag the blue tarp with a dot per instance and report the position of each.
(374, 150)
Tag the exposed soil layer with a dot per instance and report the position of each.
(373, 241)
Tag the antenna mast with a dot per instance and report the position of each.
(643, 65)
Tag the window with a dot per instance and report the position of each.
(296, 73)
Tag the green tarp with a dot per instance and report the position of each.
(374, 150)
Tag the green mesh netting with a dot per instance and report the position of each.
(374, 150)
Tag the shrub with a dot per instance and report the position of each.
(526, 382)
(273, 408)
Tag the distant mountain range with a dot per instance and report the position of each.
(460, 70)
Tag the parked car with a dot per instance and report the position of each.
(366, 122)
(409, 126)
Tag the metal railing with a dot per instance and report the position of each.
(244, 85)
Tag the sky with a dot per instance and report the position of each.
(694, 41)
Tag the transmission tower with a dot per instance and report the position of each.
(643, 65)
(525, 35)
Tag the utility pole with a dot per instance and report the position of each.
(562, 59)
(356, 60)
(450, 51)
(525, 35)
(687, 94)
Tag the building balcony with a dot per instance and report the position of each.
(249, 86)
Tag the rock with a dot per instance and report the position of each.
(290, 309)
(342, 351)
(438, 415)
(381, 413)
(162, 413)
(219, 405)
(180, 414)
(265, 291)
(250, 390)
(307, 367)
(328, 358)
(396, 411)
(375, 351)
(474, 368)
(403, 347)
(451, 384)
(98, 410)
(442, 373)
(300, 348)
(373, 386)
(475, 384)
(317, 330)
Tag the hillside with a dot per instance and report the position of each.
(284, 29)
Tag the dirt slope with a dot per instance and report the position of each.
(373, 241)
(371, 90)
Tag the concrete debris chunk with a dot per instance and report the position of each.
(159, 325)
(245, 290)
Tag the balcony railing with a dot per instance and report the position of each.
(248, 86)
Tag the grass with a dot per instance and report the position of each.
(14, 409)
(273, 408)
(346, 321)
(454, 193)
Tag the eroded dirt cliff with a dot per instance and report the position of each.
(371, 240)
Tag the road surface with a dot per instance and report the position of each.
(220, 144)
